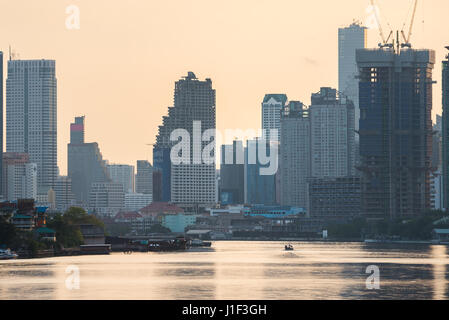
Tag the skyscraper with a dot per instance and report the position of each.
(192, 183)
(445, 132)
(295, 155)
(395, 131)
(31, 116)
(232, 176)
(349, 40)
(332, 135)
(85, 164)
(259, 188)
(1, 122)
(271, 114)
(144, 177)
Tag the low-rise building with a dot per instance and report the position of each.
(137, 201)
(178, 222)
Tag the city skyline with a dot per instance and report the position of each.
(154, 64)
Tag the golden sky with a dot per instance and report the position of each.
(119, 68)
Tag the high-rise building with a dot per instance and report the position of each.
(77, 131)
(395, 131)
(294, 155)
(64, 196)
(144, 177)
(271, 114)
(232, 174)
(19, 177)
(85, 164)
(445, 133)
(31, 116)
(190, 183)
(349, 40)
(334, 200)
(259, 188)
(1, 123)
(332, 135)
(122, 174)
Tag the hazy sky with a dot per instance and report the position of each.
(119, 68)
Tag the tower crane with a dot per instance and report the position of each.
(382, 36)
(407, 38)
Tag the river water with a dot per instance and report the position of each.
(237, 270)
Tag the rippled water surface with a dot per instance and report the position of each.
(237, 270)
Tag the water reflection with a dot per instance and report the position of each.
(239, 270)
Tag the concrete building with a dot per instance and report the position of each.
(19, 177)
(334, 199)
(122, 174)
(106, 199)
(1, 125)
(332, 135)
(271, 114)
(63, 193)
(349, 40)
(259, 188)
(144, 177)
(31, 116)
(294, 155)
(137, 201)
(395, 131)
(232, 174)
(445, 132)
(85, 164)
(192, 183)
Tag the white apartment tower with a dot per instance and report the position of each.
(294, 155)
(349, 40)
(272, 106)
(31, 116)
(332, 135)
(19, 177)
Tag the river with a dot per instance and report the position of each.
(237, 270)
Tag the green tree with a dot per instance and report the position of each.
(158, 228)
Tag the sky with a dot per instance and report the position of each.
(119, 68)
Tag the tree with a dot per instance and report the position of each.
(8, 233)
(157, 228)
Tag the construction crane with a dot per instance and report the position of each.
(407, 38)
(382, 36)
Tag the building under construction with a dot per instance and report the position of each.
(395, 130)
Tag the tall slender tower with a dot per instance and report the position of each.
(31, 116)
(1, 124)
(332, 134)
(445, 192)
(272, 106)
(395, 131)
(349, 40)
